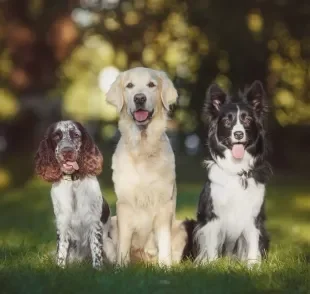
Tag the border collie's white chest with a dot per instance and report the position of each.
(235, 205)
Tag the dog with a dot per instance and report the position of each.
(143, 167)
(68, 158)
(230, 214)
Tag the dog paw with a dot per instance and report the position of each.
(97, 266)
(253, 263)
(61, 263)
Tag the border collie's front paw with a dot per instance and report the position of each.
(253, 263)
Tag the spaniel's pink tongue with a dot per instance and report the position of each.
(73, 164)
(141, 115)
(238, 151)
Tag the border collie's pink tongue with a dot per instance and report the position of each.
(71, 164)
(238, 151)
(141, 115)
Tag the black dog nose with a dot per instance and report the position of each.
(139, 99)
(238, 135)
(67, 153)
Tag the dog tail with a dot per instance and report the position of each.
(189, 249)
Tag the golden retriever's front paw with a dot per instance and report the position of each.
(164, 262)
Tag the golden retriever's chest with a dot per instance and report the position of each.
(143, 181)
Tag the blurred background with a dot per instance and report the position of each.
(59, 57)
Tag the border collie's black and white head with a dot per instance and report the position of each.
(236, 135)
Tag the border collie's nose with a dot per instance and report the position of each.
(139, 99)
(238, 135)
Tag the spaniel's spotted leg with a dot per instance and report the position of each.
(62, 249)
(96, 246)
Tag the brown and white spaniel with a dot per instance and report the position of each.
(68, 158)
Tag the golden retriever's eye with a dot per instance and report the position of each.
(129, 85)
(151, 85)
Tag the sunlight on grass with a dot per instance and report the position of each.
(28, 243)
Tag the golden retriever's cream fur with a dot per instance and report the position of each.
(144, 172)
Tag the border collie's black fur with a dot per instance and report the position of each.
(230, 215)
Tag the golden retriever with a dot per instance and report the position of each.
(144, 170)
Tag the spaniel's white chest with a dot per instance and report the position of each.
(77, 205)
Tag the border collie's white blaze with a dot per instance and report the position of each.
(231, 206)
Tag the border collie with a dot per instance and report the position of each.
(230, 212)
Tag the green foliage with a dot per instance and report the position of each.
(196, 42)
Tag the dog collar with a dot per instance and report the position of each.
(73, 177)
(244, 176)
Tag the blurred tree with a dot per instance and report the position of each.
(61, 49)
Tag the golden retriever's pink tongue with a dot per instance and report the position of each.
(238, 151)
(141, 115)
(73, 164)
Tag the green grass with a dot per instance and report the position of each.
(27, 242)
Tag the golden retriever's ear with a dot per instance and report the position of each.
(115, 94)
(168, 94)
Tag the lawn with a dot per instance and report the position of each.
(27, 243)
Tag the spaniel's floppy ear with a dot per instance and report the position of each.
(46, 165)
(168, 93)
(90, 160)
(115, 94)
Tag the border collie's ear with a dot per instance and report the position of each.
(255, 95)
(115, 94)
(168, 93)
(215, 98)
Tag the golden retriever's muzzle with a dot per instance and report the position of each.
(141, 115)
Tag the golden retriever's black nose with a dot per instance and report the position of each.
(139, 99)
(238, 135)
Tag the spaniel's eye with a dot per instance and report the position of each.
(129, 85)
(56, 137)
(76, 135)
(151, 85)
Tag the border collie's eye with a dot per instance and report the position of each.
(226, 122)
(151, 85)
(247, 120)
(129, 85)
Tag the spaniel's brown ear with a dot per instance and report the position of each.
(90, 160)
(46, 165)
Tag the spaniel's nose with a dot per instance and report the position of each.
(67, 153)
(139, 99)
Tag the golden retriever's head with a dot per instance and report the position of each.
(141, 93)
